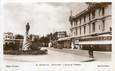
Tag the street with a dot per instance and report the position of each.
(59, 55)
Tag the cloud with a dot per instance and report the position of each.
(43, 17)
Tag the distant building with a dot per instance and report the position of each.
(92, 26)
(8, 35)
(59, 34)
(56, 36)
(10, 38)
(64, 42)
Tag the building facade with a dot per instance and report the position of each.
(56, 39)
(92, 26)
(59, 34)
(11, 38)
(8, 35)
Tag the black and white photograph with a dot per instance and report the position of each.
(57, 32)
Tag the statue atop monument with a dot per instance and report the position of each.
(26, 42)
(27, 28)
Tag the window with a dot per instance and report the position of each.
(76, 31)
(80, 20)
(72, 32)
(103, 22)
(89, 17)
(84, 29)
(84, 19)
(110, 28)
(93, 14)
(99, 12)
(89, 28)
(99, 27)
(76, 22)
(5, 36)
(103, 11)
(72, 24)
(80, 30)
(93, 27)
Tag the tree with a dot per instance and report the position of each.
(11, 46)
(18, 36)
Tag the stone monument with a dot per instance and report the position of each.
(27, 40)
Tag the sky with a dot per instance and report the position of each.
(44, 17)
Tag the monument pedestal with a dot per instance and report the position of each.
(26, 43)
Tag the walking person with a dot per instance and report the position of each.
(91, 48)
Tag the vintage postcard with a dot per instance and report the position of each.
(53, 36)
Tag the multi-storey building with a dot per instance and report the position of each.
(56, 37)
(92, 26)
(59, 34)
(10, 38)
(8, 35)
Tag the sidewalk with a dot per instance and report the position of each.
(98, 55)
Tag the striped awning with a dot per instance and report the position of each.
(96, 42)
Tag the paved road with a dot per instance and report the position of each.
(52, 56)
(25, 62)
(99, 55)
(58, 55)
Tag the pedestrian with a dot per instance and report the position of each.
(91, 48)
